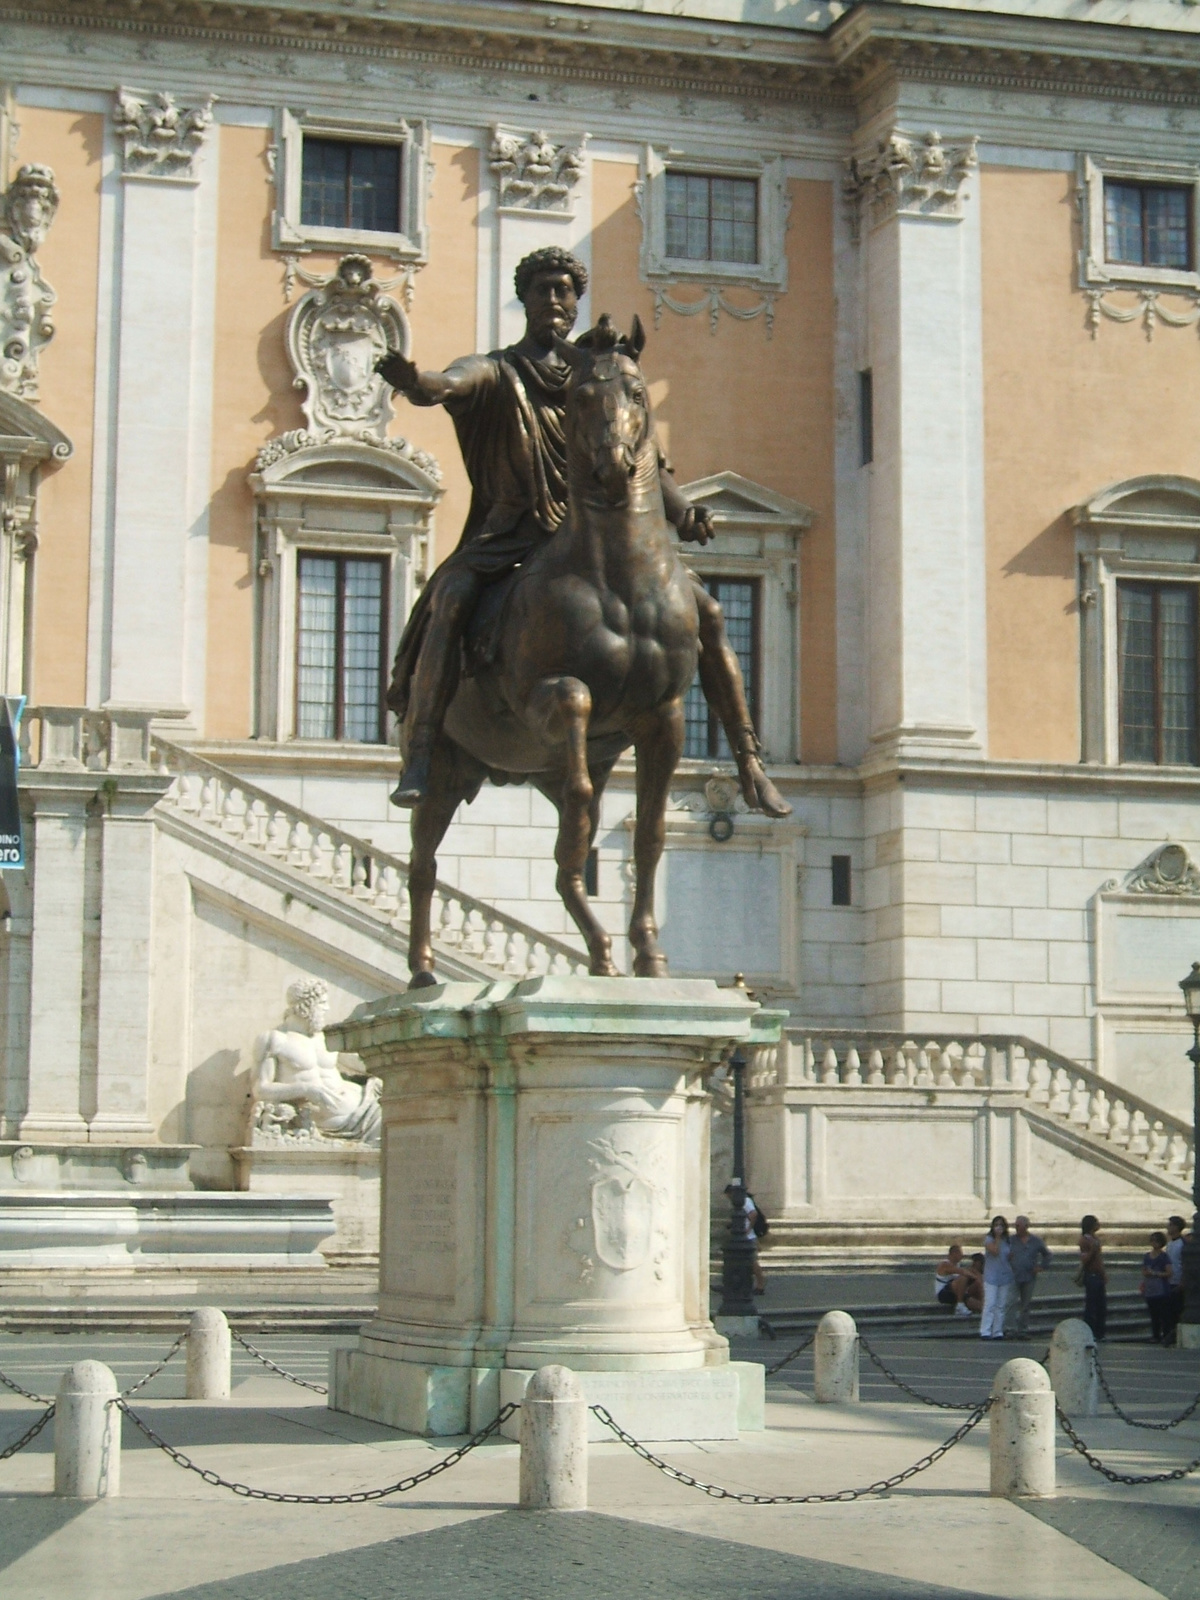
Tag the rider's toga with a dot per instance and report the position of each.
(510, 431)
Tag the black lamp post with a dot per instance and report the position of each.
(737, 1256)
(1191, 1246)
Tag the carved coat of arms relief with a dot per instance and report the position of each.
(628, 1226)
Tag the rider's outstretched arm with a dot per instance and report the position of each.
(428, 388)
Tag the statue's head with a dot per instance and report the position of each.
(308, 1001)
(549, 284)
(29, 206)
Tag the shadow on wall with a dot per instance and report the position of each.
(1050, 554)
(216, 1093)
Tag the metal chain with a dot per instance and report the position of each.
(278, 1498)
(1158, 1427)
(1097, 1465)
(154, 1371)
(40, 1399)
(29, 1435)
(798, 1351)
(317, 1388)
(926, 1400)
(715, 1492)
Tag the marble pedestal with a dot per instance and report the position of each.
(342, 1169)
(544, 1200)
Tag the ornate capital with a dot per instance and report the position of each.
(335, 335)
(160, 137)
(26, 212)
(915, 175)
(533, 173)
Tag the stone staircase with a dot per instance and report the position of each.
(257, 829)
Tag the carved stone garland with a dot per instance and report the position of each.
(533, 173)
(916, 175)
(26, 212)
(1170, 871)
(160, 138)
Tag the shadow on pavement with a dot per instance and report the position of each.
(1159, 1545)
(554, 1556)
(26, 1520)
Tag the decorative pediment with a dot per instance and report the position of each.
(739, 503)
(335, 335)
(331, 464)
(1159, 502)
(26, 432)
(1169, 871)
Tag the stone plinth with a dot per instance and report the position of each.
(343, 1169)
(545, 1195)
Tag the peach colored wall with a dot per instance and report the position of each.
(70, 143)
(253, 397)
(1064, 415)
(736, 401)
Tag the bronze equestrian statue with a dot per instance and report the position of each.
(592, 642)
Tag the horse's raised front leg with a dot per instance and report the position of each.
(430, 819)
(658, 747)
(561, 707)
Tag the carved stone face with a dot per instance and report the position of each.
(29, 206)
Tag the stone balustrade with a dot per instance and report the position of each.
(1048, 1082)
(80, 739)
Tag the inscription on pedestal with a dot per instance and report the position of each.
(422, 1190)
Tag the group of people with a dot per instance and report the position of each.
(983, 1285)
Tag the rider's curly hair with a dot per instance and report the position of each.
(550, 259)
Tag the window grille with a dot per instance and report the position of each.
(340, 642)
(1156, 643)
(1148, 225)
(711, 218)
(349, 185)
(739, 600)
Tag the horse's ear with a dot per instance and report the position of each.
(636, 341)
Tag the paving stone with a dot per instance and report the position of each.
(1158, 1544)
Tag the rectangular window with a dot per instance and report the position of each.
(346, 185)
(739, 599)
(866, 418)
(340, 641)
(1156, 642)
(1148, 224)
(712, 219)
(840, 872)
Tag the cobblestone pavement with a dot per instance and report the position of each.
(1160, 1544)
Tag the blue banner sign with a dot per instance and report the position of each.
(12, 845)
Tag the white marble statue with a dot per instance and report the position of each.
(297, 1083)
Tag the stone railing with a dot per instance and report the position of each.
(59, 739)
(1049, 1083)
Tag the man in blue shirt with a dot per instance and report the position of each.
(1027, 1257)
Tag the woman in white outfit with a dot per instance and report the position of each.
(997, 1280)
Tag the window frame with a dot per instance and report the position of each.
(1156, 587)
(769, 274)
(754, 697)
(290, 235)
(1095, 269)
(1143, 187)
(340, 558)
(710, 178)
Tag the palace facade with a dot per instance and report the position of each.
(922, 291)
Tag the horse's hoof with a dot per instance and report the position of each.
(650, 967)
(603, 969)
(422, 980)
(406, 794)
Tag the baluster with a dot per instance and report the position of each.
(561, 966)
(910, 1057)
(945, 1076)
(189, 787)
(810, 1063)
(829, 1066)
(343, 865)
(515, 959)
(450, 919)
(924, 1077)
(278, 830)
(1098, 1114)
(1118, 1123)
(977, 1066)
(360, 877)
(1060, 1097)
(208, 800)
(898, 1068)
(1079, 1102)
(256, 824)
(233, 812)
(387, 889)
(1019, 1066)
(474, 928)
(1157, 1154)
(1039, 1082)
(1177, 1153)
(299, 845)
(321, 864)
(852, 1073)
(875, 1068)
(1139, 1129)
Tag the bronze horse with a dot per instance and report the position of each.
(590, 648)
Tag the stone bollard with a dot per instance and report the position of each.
(87, 1434)
(554, 1430)
(835, 1358)
(1073, 1368)
(209, 1355)
(1022, 1423)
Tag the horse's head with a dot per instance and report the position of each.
(608, 410)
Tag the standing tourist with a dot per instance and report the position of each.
(1156, 1283)
(1029, 1256)
(997, 1279)
(1173, 1309)
(746, 1214)
(1093, 1278)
